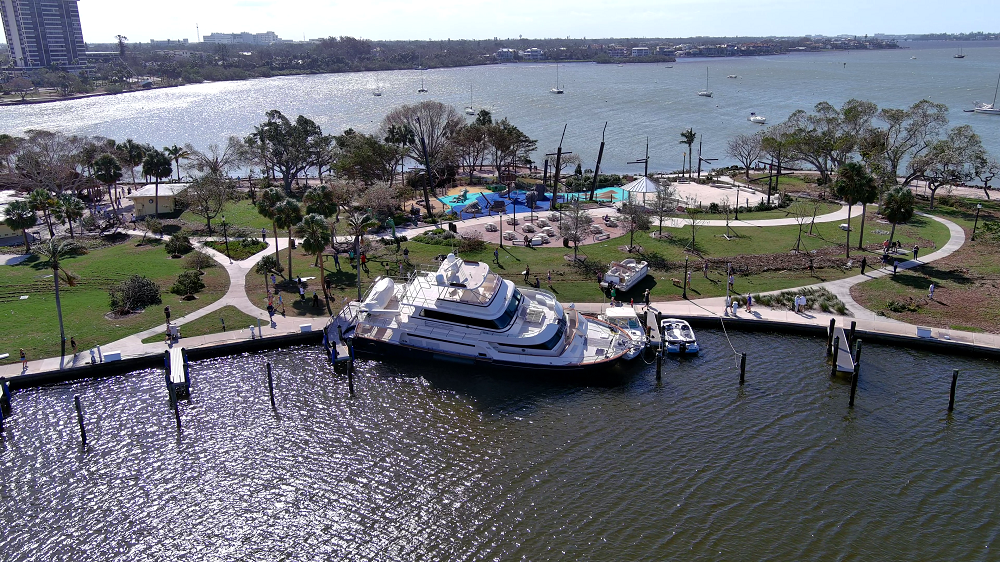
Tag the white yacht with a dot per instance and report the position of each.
(678, 337)
(758, 119)
(626, 318)
(625, 274)
(706, 92)
(989, 108)
(463, 313)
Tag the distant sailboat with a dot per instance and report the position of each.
(959, 54)
(990, 108)
(422, 89)
(557, 89)
(470, 110)
(706, 92)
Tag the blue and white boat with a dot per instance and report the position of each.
(678, 337)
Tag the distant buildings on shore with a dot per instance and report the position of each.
(42, 33)
(242, 38)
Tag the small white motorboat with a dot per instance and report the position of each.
(625, 274)
(732, 76)
(626, 318)
(678, 337)
(758, 119)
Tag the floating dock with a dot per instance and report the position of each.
(177, 372)
(845, 357)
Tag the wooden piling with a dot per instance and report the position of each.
(177, 415)
(829, 339)
(350, 369)
(954, 383)
(850, 336)
(836, 354)
(743, 367)
(659, 364)
(857, 371)
(79, 418)
(270, 386)
(4, 397)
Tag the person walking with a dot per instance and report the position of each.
(336, 259)
(930, 292)
(550, 278)
(496, 256)
(895, 264)
(263, 235)
(864, 264)
(527, 272)
(730, 281)
(915, 250)
(645, 297)
(166, 312)
(315, 300)
(72, 343)
(302, 291)
(24, 361)
(364, 262)
(704, 269)
(729, 304)
(689, 280)
(749, 303)
(400, 264)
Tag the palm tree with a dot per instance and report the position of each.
(315, 234)
(268, 200)
(42, 200)
(157, 165)
(320, 200)
(688, 139)
(898, 207)
(20, 216)
(69, 208)
(108, 171)
(358, 222)
(177, 154)
(132, 154)
(854, 185)
(287, 214)
(54, 251)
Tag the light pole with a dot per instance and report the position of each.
(225, 234)
(979, 207)
(685, 279)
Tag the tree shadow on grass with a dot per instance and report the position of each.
(922, 278)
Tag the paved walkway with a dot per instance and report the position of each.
(236, 296)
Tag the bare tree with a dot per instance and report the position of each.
(801, 211)
(695, 221)
(575, 225)
(986, 168)
(207, 197)
(664, 202)
(216, 161)
(746, 149)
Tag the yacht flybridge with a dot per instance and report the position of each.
(466, 314)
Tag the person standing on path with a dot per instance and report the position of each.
(915, 250)
(263, 235)
(24, 361)
(895, 264)
(864, 264)
(930, 292)
(749, 303)
(729, 304)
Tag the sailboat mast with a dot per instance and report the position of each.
(995, 92)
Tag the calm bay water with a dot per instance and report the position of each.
(432, 463)
(636, 100)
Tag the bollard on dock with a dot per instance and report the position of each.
(5, 408)
(743, 367)
(836, 355)
(270, 386)
(829, 337)
(79, 418)
(954, 383)
(857, 372)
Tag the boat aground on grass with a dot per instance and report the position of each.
(463, 313)
(625, 274)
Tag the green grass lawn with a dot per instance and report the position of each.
(212, 324)
(33, 325)
(238, 214)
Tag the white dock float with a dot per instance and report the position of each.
(177, 373)
(845, 358)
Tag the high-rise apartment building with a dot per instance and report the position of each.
(43, 32)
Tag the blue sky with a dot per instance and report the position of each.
(479, 19)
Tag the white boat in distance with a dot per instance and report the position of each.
(463, 313)
(471, 110)
(678, 337)
(732, 76)
(989, 108)
(758, 119)
(626, 318)
(422, 89)
(557, 89)
(706, 92)
(625, 274)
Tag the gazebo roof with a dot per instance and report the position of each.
(642, 185)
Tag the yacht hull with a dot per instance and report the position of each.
(382, 349)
